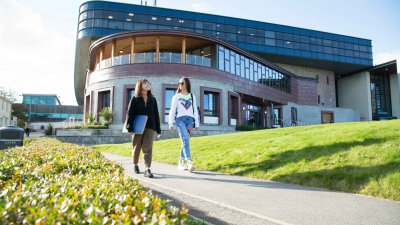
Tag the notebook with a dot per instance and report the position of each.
(139, 123)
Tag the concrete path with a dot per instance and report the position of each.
(223, 199)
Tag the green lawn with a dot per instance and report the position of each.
(362, 157)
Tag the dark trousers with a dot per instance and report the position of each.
(143, 142)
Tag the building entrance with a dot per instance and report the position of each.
(253, 115)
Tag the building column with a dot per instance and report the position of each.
(158, 49)
(133, 50)
(184, 51)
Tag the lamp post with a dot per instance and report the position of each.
(30, 110)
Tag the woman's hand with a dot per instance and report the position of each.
(171, 128)
(130, 133)
(158, 136)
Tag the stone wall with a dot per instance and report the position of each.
(311, 115)
(325, 90)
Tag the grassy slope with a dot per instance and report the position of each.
(359, 157)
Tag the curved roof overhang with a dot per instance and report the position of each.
(123, 35)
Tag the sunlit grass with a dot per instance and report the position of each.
(361, 157)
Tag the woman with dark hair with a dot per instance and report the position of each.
(185, 115)
(143, 103)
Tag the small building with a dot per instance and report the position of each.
(5, 112)
(43, 109)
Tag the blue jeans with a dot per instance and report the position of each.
(184, 123)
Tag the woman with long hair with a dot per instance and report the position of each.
(185, 115)
(143, 103)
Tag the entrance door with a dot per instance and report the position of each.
(327, 117)
(253, 116)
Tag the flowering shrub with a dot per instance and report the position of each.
(49, 182)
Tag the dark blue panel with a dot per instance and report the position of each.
(230, 20)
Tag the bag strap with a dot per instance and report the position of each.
(192, 102)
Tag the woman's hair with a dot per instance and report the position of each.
(187, 82)
(138, 88)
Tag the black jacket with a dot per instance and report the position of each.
(138, 107)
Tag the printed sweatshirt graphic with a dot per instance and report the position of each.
(183, 105)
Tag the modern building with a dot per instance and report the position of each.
(244, 72)
(42, 109)
(5, 112)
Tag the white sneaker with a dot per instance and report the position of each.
(181, 165)
(190, 166)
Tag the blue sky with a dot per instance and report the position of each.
(37, 37)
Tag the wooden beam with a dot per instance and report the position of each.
(112, 52)
(184, 51)
(133, 50)
(158, 49)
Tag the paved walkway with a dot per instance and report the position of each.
(223, 199)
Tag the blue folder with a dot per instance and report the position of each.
(139, 123)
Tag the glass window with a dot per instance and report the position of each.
(221, 60)
(269, 34)
(210, 33)
(116, 15)
(287, 37)
(251, 31)
(232, 62)
(169, 93)
(209, 26)
(210, 106)
(128, 26)
(247, 68)
(348, 46)
(230, 29)
(252, 70)
(270, 42)
(104, 99)
(363, 48)
(199, 24)
(83, 16)
(288, 44)
(242, 66)
(115, 24)
(140, 26)
(305, 47)
(327, 42)
(140, 18)
(242, 38)
(98, 23)
(98, 14)
(251, 39)
(241, 30)
(231, 37)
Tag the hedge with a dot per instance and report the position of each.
(49, 182)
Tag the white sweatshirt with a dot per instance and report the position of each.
(182, 105)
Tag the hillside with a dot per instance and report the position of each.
(362, 157)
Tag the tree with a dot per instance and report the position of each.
(20, 112)
(9, 95)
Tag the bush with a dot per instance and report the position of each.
(49, 129)
(87, 126)
(49, 182)
(90, 118)
(107, 114)
(245, 128)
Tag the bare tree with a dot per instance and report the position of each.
(10, 94)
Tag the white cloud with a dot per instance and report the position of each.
(386, 57)
(34, 58)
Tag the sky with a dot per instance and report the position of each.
(38, 37)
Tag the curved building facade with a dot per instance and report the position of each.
(244, 72)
